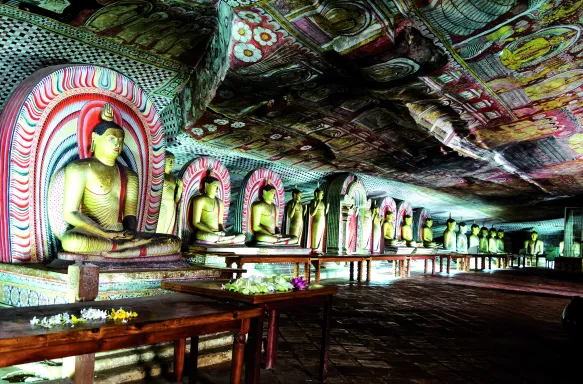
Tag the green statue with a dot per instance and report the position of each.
(500, 241)
(264, 223)
(388, 228)
(427, 233)
(449, 235)
(492, 241)
(483, 240)
(317, 210)
(462, 239)
(101, 202)
(407, 232)
(534, 246)
(171, 195)
(207, 215)
(474, 239)
(295, 213)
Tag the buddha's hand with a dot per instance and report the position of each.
(128, 234)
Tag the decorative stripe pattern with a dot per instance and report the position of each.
(192, 175)
(39, 134)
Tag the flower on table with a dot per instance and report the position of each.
(249, 16)
(238, 124)
(121, 315)
(264, 36)
(242, 32)
(247, 53)
(299, 283)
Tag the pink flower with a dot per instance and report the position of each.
(299, 283)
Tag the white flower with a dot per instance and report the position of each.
(93, 314)
(275, 136)
(305, 147)
(249, 16)
(197, 131)
(221, 121)
(210, 127)
(241, 32)
(264, 36)
(238, 124)
(247, 53)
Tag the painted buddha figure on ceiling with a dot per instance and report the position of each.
(388, 228)
(171, 195)
(462, 239)
(534, 246)
(264, 220)
(449, 235)
(100, 202)
(483, 248)
(474, 239)
(294, 215)
(407, 232)
(208, 213)
(427, 233)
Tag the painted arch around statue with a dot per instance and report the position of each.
(386, 205)
(193, 175)
(420, 216)
(45, 125)
(403, 209)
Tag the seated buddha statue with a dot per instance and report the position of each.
(317, 210)
(427, 233)
(100, 202)
(575, 250)
(534, 246)
(264, 220)
(500, 241)
(208, 213)
(492, 243)
(474, 239)
(407, 232)
(294, 212)
(449, 235)
(462, 239)
(388, 228)
(171, 195)
(483, 247)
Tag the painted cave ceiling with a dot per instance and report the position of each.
(479, 99)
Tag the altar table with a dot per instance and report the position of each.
(160, 319)
(272, 303)
(241, 260)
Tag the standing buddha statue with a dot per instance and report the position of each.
(264, 220)
(367, 227)
(427, 233)
(208, 213)
(377, 234)
(483, 240)
(449, 235)
(317, 210)
(474, 239)
(388, 228)
(171, 195)
(294, 212)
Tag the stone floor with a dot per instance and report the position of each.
(433, 330)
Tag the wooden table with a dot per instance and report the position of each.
(449, 257)
(241, 260)
(398, 260)
(272, 303)
(359, 259)
(160, 319)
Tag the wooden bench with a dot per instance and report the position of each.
(398, 262)
(449, 256)
(359, 259)
(241, 260)
(162, 318)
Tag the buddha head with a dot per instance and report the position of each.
(390, 215)
(463, 227)
(212, 186)
(534, 235)
(450, 223)
(297, 195)
(475, 229)
(484, 232)
(408, 220)
(169, 164)
(493, 232)
(268, 194)
(107, 137)
(318, 194)
(429, 222)
(500, 234)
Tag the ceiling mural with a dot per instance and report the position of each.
(476, 99)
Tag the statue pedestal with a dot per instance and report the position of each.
(399, 250)
(425, 251)
(112, 260)
(214, 254)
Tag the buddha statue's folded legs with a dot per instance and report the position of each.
(209, 237)
(276, 239)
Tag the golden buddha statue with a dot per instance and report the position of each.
(449, 235)
(295, 211)
(462, 239)
(483, 248)
(171, 195)
(100, 202)
(264, 224)
(388, 228)
(407, 232)
(500, 241)
(317, 210)
(427, 233)
(534, 246)
(377, 234)
(575, 249)
(208, 213)
(474, 239)
(492, 243)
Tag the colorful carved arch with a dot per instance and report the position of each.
(420, 215)
(403, 209)
(386, 205)
(45, 125)
(192, 175)
(250, 192)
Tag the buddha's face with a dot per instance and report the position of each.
(500, 234)
(376, 210)
(484, 232)
(297, 197)
(108, 145)
(451, 225)
(212, 189)
(429, 223)
(534, 236)
(169, 164)
(390, 216)
(269, 196)
(319, 195)
(475, 230)
(408, 220)
(463, 229)
(492, 233)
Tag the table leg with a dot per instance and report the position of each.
(351, 270)
(433, 259)
(325, 339)
(179, 349)
(425, 266)
(306, 272)
(318, 271)
(402, 268)
(359, 275)
(483, 262)
(489, 262)
(408, 267)
(84, 369)
(272, 336)
(296, 269)
(395, 267)
(440, 264)
(240, 265)
(253, 355)
(448, 264)
(238, 355)
(368, 271)
(193, 360)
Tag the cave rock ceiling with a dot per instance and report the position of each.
(476, 98)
